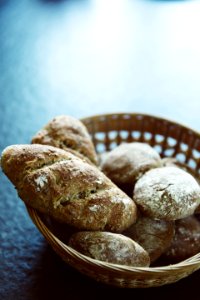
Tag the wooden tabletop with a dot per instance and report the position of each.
(85, 57)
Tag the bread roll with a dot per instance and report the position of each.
(110, 247)
(67, 188)
(167, 193)
(169, 162)
(186, 241)
(66, 132)
(155, 236)
(127, 162)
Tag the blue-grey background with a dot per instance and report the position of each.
(85, 57)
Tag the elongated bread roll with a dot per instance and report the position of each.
(110, 247)
(66, 132)
(67, 188)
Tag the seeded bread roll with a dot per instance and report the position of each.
(66, 132)
(186, 241)
(167, 193)
(67, 188)
(110, 247)
(155, 236)
(127, 162)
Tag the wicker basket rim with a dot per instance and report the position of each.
(161, 118)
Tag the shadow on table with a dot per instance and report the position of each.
(54, 279)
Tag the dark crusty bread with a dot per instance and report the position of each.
(154, 235)
(66, 132)
(186, 241)
(129, 161)
(67, 188)
(167, 193)
(110, 247)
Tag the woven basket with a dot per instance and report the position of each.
(169, 139)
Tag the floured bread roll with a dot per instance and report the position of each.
(186, 241)
(110, 247)
(66, 132)
(129, 161)
(67, 188)
(172, 162)
(154, 235)
(167, 193)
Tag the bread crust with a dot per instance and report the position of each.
(66, 132)
(110, 247)
(154, 235)
(128, 162)
(59, 184)
(167, 193)
(186, 241)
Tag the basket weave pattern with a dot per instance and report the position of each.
(170, 140)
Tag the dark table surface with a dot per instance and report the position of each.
(86, 57)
